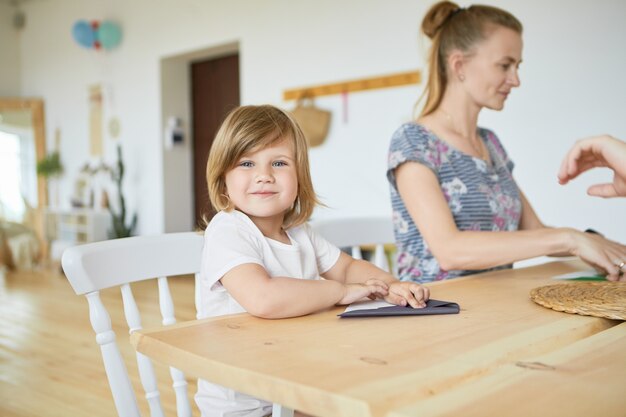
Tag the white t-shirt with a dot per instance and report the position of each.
(232, 239)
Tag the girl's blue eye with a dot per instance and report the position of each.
(246, 164)
(279, 164)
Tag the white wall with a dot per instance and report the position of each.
(572, 86)
(177, 160)
(9, 53)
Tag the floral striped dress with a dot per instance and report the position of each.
(481, 196)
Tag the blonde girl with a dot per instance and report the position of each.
(260, 256)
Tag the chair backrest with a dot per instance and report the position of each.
(120, 262)
(354, 233)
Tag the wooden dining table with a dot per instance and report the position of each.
(502, 355)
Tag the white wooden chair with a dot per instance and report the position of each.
(356, 232)
(120, 262)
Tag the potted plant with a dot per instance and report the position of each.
(120, 229)
(50, 167)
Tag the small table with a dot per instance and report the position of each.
(502, 355)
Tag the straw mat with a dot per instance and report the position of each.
(600, 299)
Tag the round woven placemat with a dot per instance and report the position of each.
(600, 299)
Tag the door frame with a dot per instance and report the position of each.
(178, 195)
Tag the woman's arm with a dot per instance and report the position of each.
(356, 271)
(529, 219)
(454, 249)
(280, 297)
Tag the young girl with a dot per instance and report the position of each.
(259, 254)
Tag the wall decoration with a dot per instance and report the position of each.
(95, 120)
(84, 34)
(313, 121)
(109, 34)
(114, 127)
(96, 34)
(344, 87)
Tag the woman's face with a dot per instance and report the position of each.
(491, 71)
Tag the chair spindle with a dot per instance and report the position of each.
(179, 383)
(121, 387)
(144, 365)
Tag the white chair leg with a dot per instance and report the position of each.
(144, 365)
(183, 408)
(121, 388)
(280, 411)
(179, 383)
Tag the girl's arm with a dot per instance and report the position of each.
(354, 271)
(470, 250)
(280, 297)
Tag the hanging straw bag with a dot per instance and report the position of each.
(313, 121)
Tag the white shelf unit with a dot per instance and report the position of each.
(69, 227)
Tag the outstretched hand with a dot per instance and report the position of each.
(597, 151)
(408, 293)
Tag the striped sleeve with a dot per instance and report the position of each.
(412, 143)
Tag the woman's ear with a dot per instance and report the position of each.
(456, 65)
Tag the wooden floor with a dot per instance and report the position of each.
(50, 364)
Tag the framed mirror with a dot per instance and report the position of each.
(23, 194)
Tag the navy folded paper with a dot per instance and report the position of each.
(432, 307)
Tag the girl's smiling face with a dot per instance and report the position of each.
(264, 184)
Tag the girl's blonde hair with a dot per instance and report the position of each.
(450, 28)
(248, 129)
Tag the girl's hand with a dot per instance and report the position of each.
(372, 288)
(601, 253)
(402, 293)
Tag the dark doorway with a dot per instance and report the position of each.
(214, 93)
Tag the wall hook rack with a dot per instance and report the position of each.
(384, 81)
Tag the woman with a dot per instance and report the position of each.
(457, 209)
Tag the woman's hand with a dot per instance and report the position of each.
(601, 253)
(402, 293)
(372, 288)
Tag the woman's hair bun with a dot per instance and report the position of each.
(437, 16)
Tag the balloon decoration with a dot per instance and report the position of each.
(109, 35)
(97, 34)
(83, 34)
